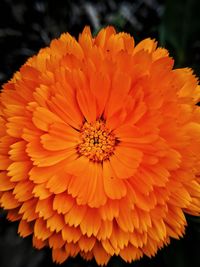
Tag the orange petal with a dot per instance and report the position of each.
(71, 234)
(23, 190)
(64, 132)
(41, 191)
(71, 46)
(130, 253)
(91, 223)
(105, 230)
(75, 216)
(56, 241)
(58, 183)
(132, 135)
(125, 161)
(19, 170)
(38, 243)
(59, 255)
(100, 85)
(114, 187)
(146, 45)
(72, 115)
(87, 187)
(104, 35)
(5, 184)
(28, 210)
(110, 210)
(72, 249)
(13, 215)
(125, 220)
(43, 117)
(120, 88)
(63, 202)
(44, 158)
(40, 229)
(143, 202)
(54, 143)
(86, 243)
(44, 207)
(16, 124)
(85, 96)
(55, 222)
(101, 256)
(8, 201)
(24, 228)
(4, 162)
(17, 151)
(119, 239)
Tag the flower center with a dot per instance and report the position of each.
(97, 141)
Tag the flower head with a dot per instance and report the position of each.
(99, 147)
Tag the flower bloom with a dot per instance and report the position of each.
(100, 147)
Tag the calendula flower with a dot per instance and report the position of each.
(100, 147)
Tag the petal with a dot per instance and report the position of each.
(86, 243)
(40, 229)
(5, 183)
(71, 46)
(125, 161)
(119, 239)
(72, 115)
(146, 45)
(125, 220)
(4, 162)
(110, 210)
(132, 135)
(120, 169)
(56, 241)
(28, 210)
(24, 228)
(101, 256)
(59, 137)
(63, 203)
(91, 223)
(130, 253)
(17, 151)
(120, 88)
(19, 170)
(44, 158)
(41, 175)
(114, 188)
(105, 230)
(8, 201)
(56, 222)
(23, 190)
(85, 97)
(71, 234)
(104, 35)
(100, 85)
(144, 202)
(87, 187)
(38, 243)
(41, 191)
(75, 216)
(44, 208)
(59, 255)
(58, 183)
(43, 117)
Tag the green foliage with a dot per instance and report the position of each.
(179, 29)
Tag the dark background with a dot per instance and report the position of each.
(26, 26)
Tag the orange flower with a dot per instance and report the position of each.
(99, 151)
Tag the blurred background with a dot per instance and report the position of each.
(26, 26)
